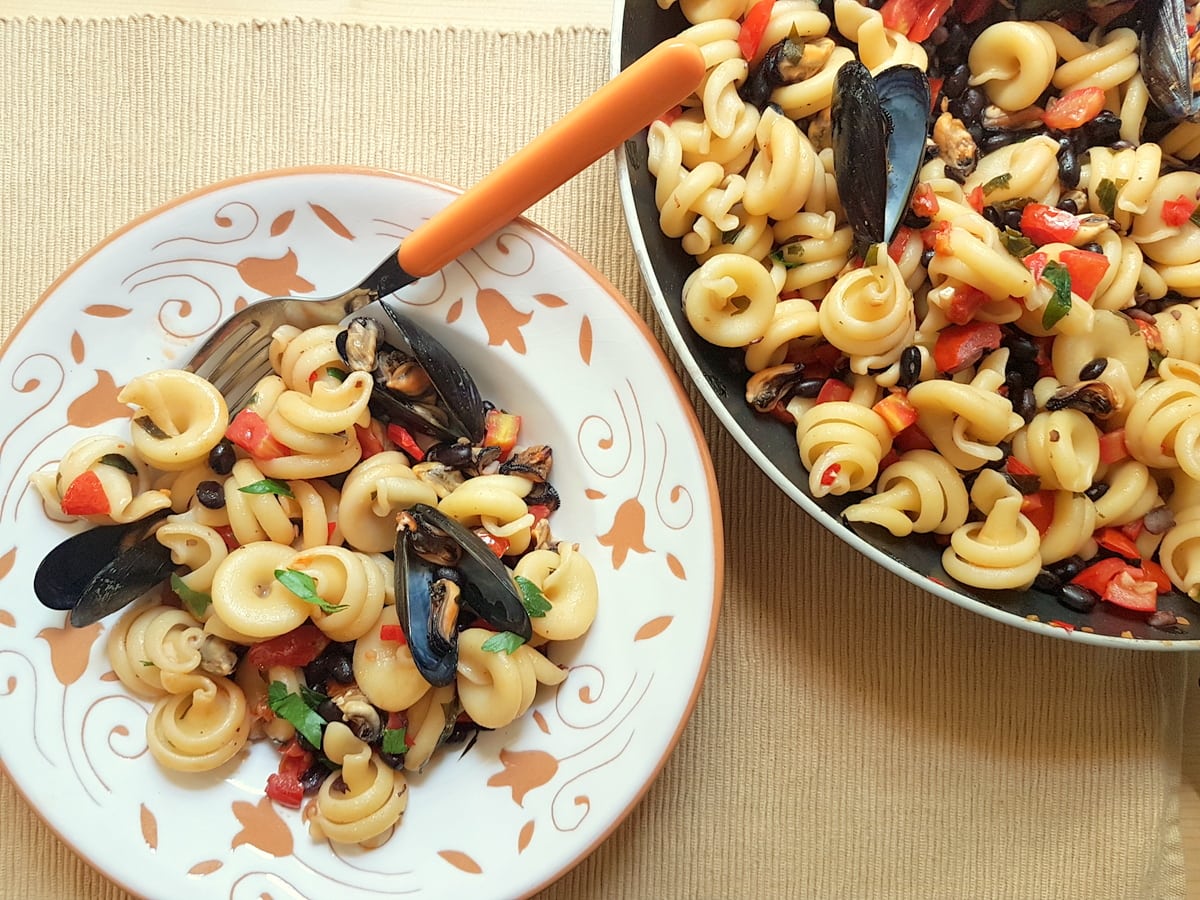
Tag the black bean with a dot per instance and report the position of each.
(969, 105)
(940, 35)
(341, 670)
(222, 457)
(994, 140)
(1077, 597)
(1092, 247)
(210, 494)
(305, 743)
(1104, 130)
(393, 760)
(312, 778)
(975, 130)
(1012, 218)
(1068, 165)
(809, 387)
(1068, 205)
(1025, 404)
(956, 82)
(1096, 491)
(910, 366)
(1159, 520)
(1093, 369)
(992, 215)
(1164, 620)
(926, 258)
(316, 673)
(1068, 568)
(1047, 581)
(329, 711)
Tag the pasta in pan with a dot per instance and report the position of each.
(287, 618)
(1030, 320)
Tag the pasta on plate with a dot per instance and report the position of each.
(284, 619)
(1013, 372)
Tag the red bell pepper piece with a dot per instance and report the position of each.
(924, 201)
(1086, 268)
(539, 511)
(913, 438)
(1157, 574)
(1112, 446)
(754, 26)
(1113, 539)
(1176, 212)
(975, 198)
(285, 786)
(1014, 466)
(392, 633)
(368, 440)
(495, 543)
(1036, 264)
(298, 647)
(501, 431)
(965, 303)
(402, 438)
(1131, 589)
(1097, 576)
(829, 476)
(85, 496)
(959, 346)
(1075, 108)
(900, 243)
(915, 19)
(1038, 508)
(227, 535)
(250, 432)
(834, 389)
(1044, 224)
(896, 411)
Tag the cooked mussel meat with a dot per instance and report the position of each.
(422, 386)
(442, 568)
(879, 124)
(99, 571)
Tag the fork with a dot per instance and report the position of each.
(234, 357)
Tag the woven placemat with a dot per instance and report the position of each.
(856, 737)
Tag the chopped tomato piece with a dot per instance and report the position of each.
(1112, 446)
(1075, 108)
(933, 237)
(829, 476)
(1097, 576)
(915, 19)
(1134, 529)
(285, 786)
(250, 432)
(1044, 224)
(967, 301)
(1151, 335)
(402, 438)
(1087, 270)
(896, 411)
(297, 647)
(227, 535)
(900, 243)
(754, 26)
(369, 440)
(1176, 212)
(959, 346)
(539, 511)
(834, 389)
(913, 438)
(1112, 539)
(924, 201)
(495, 543)
(1132, 590)
(1036, 264)
(85, 496)
(935, 88)
(392, 633)
(1014, 466)
(975, 198)
(330, 528)
(502, 429)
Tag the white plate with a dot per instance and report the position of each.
(545, 335)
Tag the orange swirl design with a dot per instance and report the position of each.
(116, 735)
(10, 687)
(223, 218)
(28, 384)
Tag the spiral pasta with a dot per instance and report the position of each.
(496, 688)
(200, 725)
(365, 800)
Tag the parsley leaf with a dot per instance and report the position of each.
(302, 585)
(293, 709)
(1060, 304)
(532, 598)
(311, 697)
(789, 255)
(1106, 194)
(505, 641)
(148, 425)
(146, 662)
(117, 461)
(267, 486)
(872, 257)
(1016, 243)
(196, 602)
(394, 741)
(998, 183)
(333, 372)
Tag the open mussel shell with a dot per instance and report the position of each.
(428, 616)
(99, 571)
(1166, 63)
(879, 127)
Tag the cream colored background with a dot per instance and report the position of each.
(515, 15)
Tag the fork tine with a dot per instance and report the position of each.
(230, 341)
(243, 367)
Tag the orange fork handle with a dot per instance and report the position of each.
(645, 90)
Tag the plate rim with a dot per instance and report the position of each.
(620, 301)
(662, 311)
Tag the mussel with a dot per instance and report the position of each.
(441, 569)
(99, 571)
(422, 387)
(1167, 66)
(880, 124)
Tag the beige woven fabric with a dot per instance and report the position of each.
(857, 738)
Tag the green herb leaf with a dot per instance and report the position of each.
(998, 183)
(311, 697)
(335, 373)
(147, 425)
(267, 486)
(505, 641)
(196, 602)
(532, 598)
(730, 237)
(1194, 218)
(1106, 195)
(1156, 358)
(146, 662)
(393, 741)
(789, 255)
(1016, 243)
(302, 585)
(1060, 304)
(292, 708)
(117, 461)
(872, 257)
(1017, 203)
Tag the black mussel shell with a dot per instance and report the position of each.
(96, 572)
(434, 651)
(879, 127)
(1166, 64)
